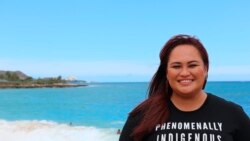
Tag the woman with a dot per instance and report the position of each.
(177, 108)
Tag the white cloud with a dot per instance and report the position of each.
(80, 68)
(230, 70)
(229, 73)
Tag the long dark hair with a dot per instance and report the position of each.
(155, 108)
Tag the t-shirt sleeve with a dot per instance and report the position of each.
(128, 128)
(243, 131)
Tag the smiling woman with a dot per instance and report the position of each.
(186, 71)
(178, 108)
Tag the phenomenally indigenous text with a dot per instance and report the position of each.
(189, 131)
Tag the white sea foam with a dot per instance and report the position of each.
(118, 122)
(51, 131)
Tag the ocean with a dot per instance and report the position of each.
(93, 113)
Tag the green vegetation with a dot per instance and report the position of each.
(49, 80)
(9, 76)
(16, 78)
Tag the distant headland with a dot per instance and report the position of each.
(18, 79)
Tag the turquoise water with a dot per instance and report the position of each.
(103, 105)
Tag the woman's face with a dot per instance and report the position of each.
(186, 71)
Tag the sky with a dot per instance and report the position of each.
(120, 40)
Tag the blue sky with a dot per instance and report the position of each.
(120, 40)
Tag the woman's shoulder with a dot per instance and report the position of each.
(223, 104)
(135, 115)
(227, 110)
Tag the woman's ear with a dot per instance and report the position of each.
(166, 76)
(206, 72)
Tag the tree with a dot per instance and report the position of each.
(59, 78)
(11, 76)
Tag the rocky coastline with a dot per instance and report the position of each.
(18, 79)
(23, 85)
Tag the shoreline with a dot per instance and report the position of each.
(57, 85)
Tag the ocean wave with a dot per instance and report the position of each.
(118, 122)
(51, 131)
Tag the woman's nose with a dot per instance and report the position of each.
(184, 72)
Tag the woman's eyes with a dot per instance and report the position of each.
(189, 66)
(176, 67)
(192, 65)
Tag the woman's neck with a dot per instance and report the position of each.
(188, 104)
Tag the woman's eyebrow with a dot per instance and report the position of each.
(189, 62)
(175, 63)
(193, 61)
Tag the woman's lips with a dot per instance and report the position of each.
(185, 81)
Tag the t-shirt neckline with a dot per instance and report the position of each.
(199, 109)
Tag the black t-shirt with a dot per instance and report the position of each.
(216, 120)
